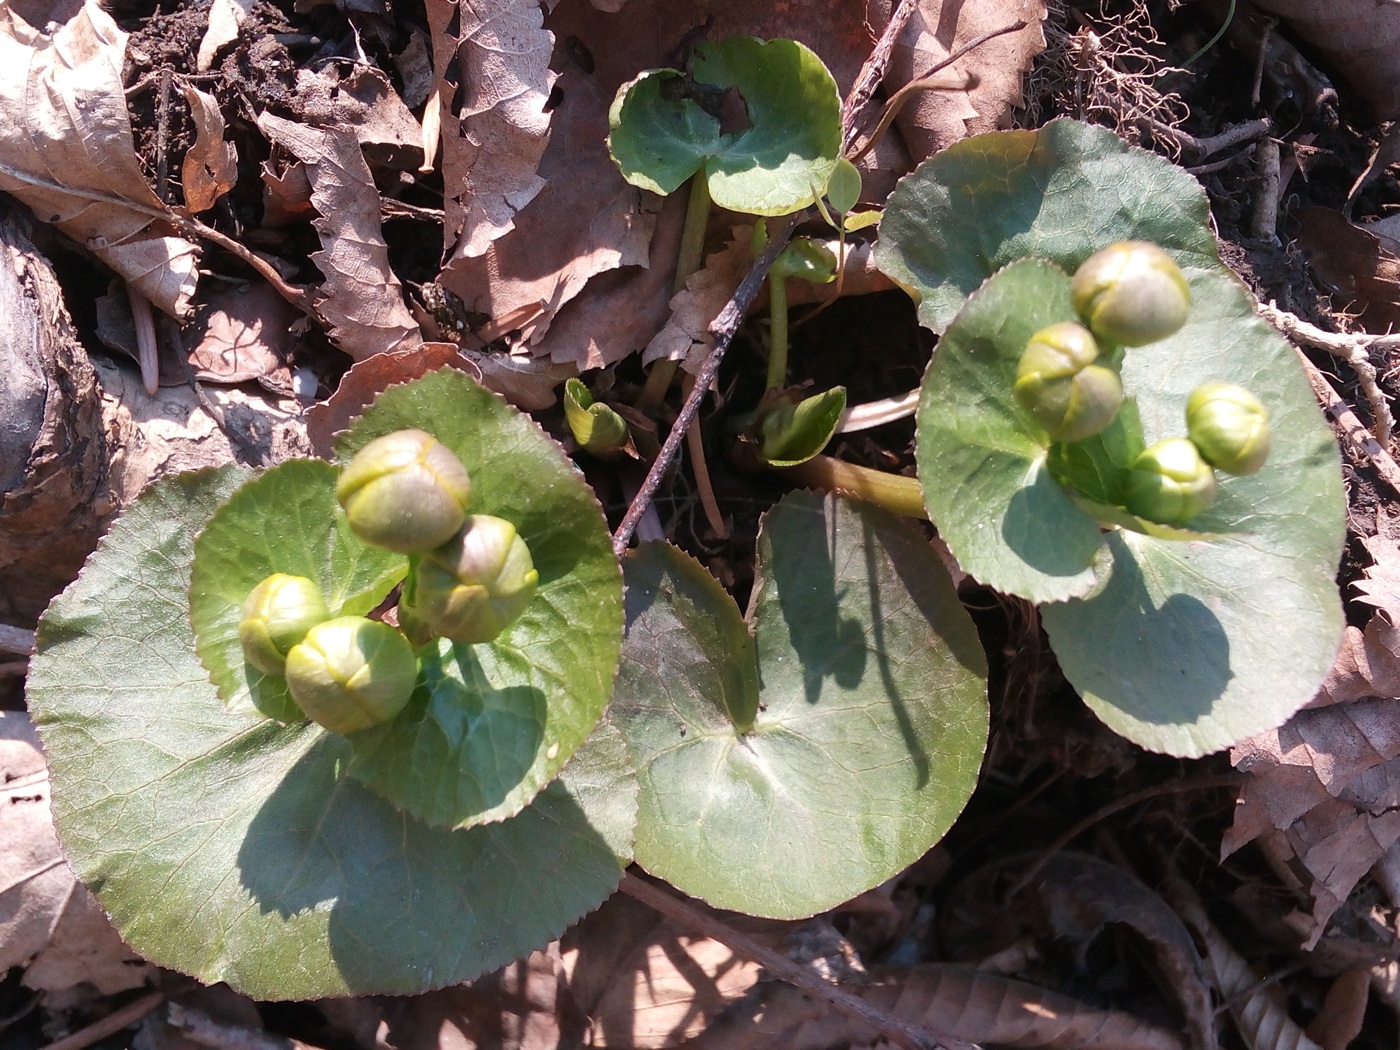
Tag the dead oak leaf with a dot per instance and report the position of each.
(210, 167)
(361, 300)
(66, 150)
(492, 60)
(992, 73)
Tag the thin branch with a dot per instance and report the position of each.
(902, 1033)
(722, 328)
(109, 1025)
(1360, 441)
(16, 640)
(927, 82)
(873, 71)
(1351, 348)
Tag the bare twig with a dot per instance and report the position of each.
(16, 640)
(900, 1032)
(1353, 348)
(1264, 221)
(722, 328)
(147, 349)
(928, 82)
(199, 1027)
(1249, 131)
(873, 72)
(109, 1025)
(1360, 441)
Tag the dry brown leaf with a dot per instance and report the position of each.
(492, 62)
(286, 194)
(48, 922)
(366, 379)
(686, 335)
(360, 301)
(587, 221)
(210, 167)
(247, 336)
(1258, 1009)
(645, 983)
(359, 98)
(1360, 37)
(515, 1008)
(1343, 1010)
(956, 1001)
(225, 18)
(935, 120)
(1363, 276)
(66, 151)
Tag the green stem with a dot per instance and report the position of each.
(894, 492)
(778, 330)
(689, 259)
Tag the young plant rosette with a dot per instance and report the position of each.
(1183, 639)
(231, 839)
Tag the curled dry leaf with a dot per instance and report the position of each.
(48, 922)
(247, 336)
(990, 75)
(955, 1001)
(225, 17)
(1363, 275)
(211, 165)
(1328, 781)
(492, 62)
(361, 99)
(66, 151)
(1360, 37)
(360, 301)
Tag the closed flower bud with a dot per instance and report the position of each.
(405, 492)
(351, 673)
(1170, 483)
(1131, 293)
(276, 615)
(1230, 426)
(474, 586)
(1058, 384)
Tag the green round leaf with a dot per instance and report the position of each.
(234, 848)
(982, 466)
(284, 520)
(1194, 645)
(776, 164)
(494, 723)
(850, 725)
(1060, 193)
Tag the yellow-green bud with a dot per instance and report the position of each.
(1170, 483)
(1131, 293)
(1230, 426)
(351, 673)
(1061, 388)
(276, 615)
(405, 492)
(474, 586)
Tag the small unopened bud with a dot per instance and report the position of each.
(276, 615)
(1059, 385)
(1230, 426)
(1170, 483)
(1131, 293)
(351, 673)
(474, 586)
(405, 492)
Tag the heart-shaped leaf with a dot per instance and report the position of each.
(982, 463)
(285, 520)
(1060, 193)
(234, 848)
(1194, 645)
(760, 119)
(784, 773)
(496, 722)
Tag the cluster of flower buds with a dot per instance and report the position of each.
(1132, 294)
(470, 577)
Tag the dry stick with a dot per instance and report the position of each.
(926, 82)
(109, 1025)
(16, 640)
(873, 71)
(901, 1032)
(1361, 440)
(1174, 787)
(722, 328)
(199, 1027)
(1351, 349)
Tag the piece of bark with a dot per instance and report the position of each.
(53, 449)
